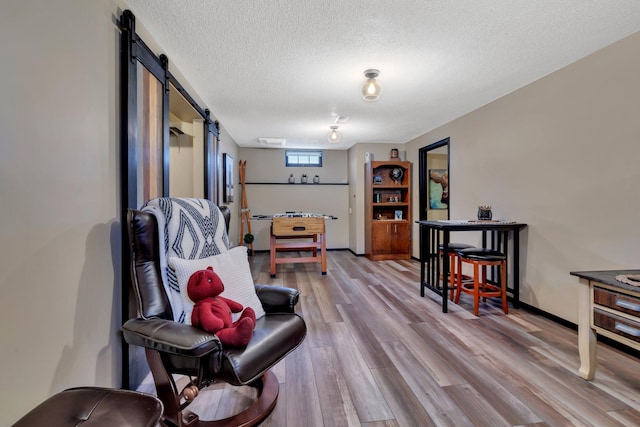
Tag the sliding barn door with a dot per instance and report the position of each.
(145, 87)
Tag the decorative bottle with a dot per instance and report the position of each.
(292, 180)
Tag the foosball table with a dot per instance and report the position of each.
(298, 232)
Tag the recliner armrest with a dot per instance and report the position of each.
(171, 337)
(277, 299)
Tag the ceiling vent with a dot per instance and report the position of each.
(272, 142)
(340, 120)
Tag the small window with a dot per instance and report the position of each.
(303, 158)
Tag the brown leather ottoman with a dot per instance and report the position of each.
(95, 407)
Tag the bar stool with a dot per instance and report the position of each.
(483, 257)
(453, 262)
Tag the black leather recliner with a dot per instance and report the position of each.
(176, 348)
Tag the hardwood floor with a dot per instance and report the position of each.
(377, 354)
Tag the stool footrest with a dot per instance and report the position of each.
(481, 258)
(484, 289)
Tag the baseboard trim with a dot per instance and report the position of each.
(261, 251)
(601, 339)
(549, 316)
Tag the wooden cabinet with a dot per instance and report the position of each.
(390, 238)
(388, 210)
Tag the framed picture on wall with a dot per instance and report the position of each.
(438, 189)
(228, 178)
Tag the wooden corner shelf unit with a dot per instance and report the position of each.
(387, 210)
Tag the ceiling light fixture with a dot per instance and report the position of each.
(334, 135)
(371, 89)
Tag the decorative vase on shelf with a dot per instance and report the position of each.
(396, 175)
(316, 179)
(292, 180)
(484, 213)
(303, 180)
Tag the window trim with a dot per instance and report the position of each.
(317, 153)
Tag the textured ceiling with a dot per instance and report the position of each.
(285, 68)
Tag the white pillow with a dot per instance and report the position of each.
(235, 272)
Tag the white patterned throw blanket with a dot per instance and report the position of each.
(190, 229)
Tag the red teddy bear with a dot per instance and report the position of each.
(212, 312)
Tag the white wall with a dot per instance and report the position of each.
(186, 161)
(59, 160)
(181, 164)
(561, 155)
(229, 146)
(322, 199)
(268, 165)
(268, 192)
(60, 231)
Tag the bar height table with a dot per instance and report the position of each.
(498, 231)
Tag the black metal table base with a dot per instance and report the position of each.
(495, 235)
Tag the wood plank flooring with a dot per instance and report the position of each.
(377, 354)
